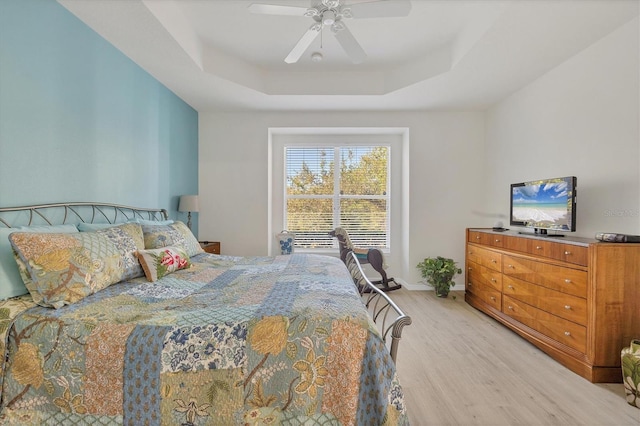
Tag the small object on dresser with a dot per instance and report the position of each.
(498, 227)
(212, 247)
(617, 238)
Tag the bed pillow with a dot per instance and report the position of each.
(158, 263)
(49, 229)
(152, 222)
(11, 284)
(128, 239)
(61, 269)
(91, 227)
(176, 235)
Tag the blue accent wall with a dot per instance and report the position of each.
(79, 121)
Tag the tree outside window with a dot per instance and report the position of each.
(320, 197)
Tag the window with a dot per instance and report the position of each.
(320, 196)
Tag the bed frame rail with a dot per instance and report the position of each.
(76, 212)
(388, 316)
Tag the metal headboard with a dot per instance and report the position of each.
(73, 213)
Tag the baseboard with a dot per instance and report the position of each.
(414, 287)
(422, 287)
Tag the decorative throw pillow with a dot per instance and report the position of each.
(128, 239)
(176, 234)
(158, 263)
(11, 284)
(65, 268)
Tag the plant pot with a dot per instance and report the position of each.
(442, 292)
(631, 372)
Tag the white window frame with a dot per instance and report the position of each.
(336, 197)
(399, 140)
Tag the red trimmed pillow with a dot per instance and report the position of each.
(160, 262)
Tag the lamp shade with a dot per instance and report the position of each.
(188, 203)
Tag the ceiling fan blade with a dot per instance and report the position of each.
(274, 9)
(303, 44)
(350, 45)
(381, 9)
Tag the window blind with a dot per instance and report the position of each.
(354, 195)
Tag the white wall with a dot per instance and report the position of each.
(580, 119)
(445, 172)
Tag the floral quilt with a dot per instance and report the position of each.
(262, 340)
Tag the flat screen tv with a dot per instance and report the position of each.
(548, 204)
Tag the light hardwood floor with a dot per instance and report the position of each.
(457, 366)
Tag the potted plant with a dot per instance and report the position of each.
(439, 273)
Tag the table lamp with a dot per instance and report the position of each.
(188, 203)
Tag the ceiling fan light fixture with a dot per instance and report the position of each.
(328, 17)
(317, 57)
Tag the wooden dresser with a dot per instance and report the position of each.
(576, 299)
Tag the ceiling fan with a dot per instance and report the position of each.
(331, 13)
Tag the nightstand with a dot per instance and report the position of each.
(210, 246)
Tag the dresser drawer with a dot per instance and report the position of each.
(484, 257)
(494, 239)
(566, 280)
(559, 329)
(531, 246)
(478, 237)
(479, 274)
(539, 248)
(570, 253)
(486, 293)
(565, 306)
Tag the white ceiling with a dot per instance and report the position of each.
(447, 54)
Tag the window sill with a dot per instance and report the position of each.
(334, 252)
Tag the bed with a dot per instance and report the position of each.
(193, 339)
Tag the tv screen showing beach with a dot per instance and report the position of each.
(545, 204)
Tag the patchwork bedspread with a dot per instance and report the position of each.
(262, 340)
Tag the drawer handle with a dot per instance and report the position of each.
(469, 284)
(567, 280)
(493, 280)
(510, 286)
(493, 298)
(497, 240)
(538, 247)
(567, 253)
(567, 307)
(477, 237)
(510, 266)
(493, 261)
(566, 333)
(511, 308)
(469, 268)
